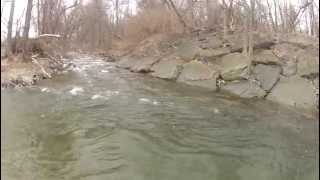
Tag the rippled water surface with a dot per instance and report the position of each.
(102, 123)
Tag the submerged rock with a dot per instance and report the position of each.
(244, 89)
(234, 66)
(294, 91)
(198, 74)
(267, 75)
(168, 68)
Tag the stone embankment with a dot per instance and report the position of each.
(283, 69)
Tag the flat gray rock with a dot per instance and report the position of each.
(144, 64)
(308, 61)
(187, 49)
(294, 91)
(212, 42)
(198, 74)
(234, 66)
(265, 57)
(211, 53)
(244, 89)
(267, 75)
(168, 68)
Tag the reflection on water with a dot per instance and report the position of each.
(149, 129)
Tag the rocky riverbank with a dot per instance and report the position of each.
(32, 61)
(17, 73)
(284, 69)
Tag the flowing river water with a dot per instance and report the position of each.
(103, 123)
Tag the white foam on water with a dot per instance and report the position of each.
(112, 93)
(108, 67)
(76, 90)
(216, 110)
(155, 102)
(77, 69)
(45, 90)
(98, 96)
(104, 71)
(144, 100)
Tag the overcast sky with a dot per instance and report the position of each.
(22, 4)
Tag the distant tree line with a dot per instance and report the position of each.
(98, 24)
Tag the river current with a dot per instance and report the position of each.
(98, 122)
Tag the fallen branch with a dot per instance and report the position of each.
(34, 60)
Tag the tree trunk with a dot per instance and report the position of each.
(28, 19)
(311, 17)
(38, 18)
(117, 12)
(275, 15)
(251, 20)
(10, 22)
(178, 14)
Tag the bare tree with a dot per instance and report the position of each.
(28, 19)
(170, 2)
(227, 16)
(251, 28)
(9, 34)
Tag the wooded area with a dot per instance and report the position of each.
(101, 24)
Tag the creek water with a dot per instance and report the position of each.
(98, 122)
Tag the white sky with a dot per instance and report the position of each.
(20, 8)
(22, 4)
(19, 13)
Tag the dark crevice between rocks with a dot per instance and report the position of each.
(311, 76)
(263, 45)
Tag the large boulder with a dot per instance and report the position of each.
(294, 91)
(288, 55)
(285, 51)
(211, 53)
(235, 41)
(144, 64)
(244, 89)
(289, 68)
(198, 74)
(212, 42)
(234, 66)
(265, 57)
(299, 39)
(308, 61)
(167, 68)
(267, 75)
(187, 49)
